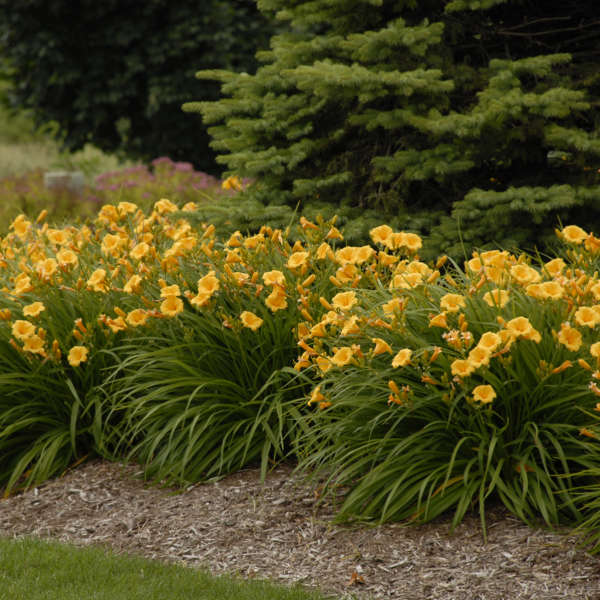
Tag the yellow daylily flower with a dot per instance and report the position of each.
(350, 326)
(21, 226)
(381, 346)
(35, 345)
(22, 284)
(46, 268)
(489, 341)
(77, 355)
(22, 329)
(569, 337)
(233, 183)
(209, 284)
(452, 302)
(276, 300)
(274, 277)
(67, 258)
(297, 259)
(479, 357)
(342, 356)
(133, 284)
(439, 321)
(139, 251)
(34, 309)
(461, 368)
(59, 237)
(524, 274)
(344, 300)
(97, 281)
(164, 206)
(117, 324)
(402, 358)
(137, 317)
(171, 306)
(170, 290)
(573, 234)
(484, 394)
(555, 267)
(586, 316)
(552, 290)
(250, 320)
(382, 235)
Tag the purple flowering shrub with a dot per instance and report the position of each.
(141, 184)
(177, 181)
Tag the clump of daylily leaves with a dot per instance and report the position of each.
(448, 385)
(422, 387)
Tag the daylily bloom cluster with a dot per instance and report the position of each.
(371, 306)
(456, 332)
(113, 273)
(128, 269)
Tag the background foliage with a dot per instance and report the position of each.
(116, 73)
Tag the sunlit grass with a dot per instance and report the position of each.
(18, 158)
(24, 148)
(32, 569)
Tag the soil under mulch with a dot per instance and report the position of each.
(279, 531)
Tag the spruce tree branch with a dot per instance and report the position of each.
(508, 32)
(535, 21)
(585, 37)
(586, 53)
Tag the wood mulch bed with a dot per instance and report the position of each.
(279, 531)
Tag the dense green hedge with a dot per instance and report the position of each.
(474, 121)
(115, 73)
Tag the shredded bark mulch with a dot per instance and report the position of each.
(278, 530)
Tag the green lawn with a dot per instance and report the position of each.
(32, 569)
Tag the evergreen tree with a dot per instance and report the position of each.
(473, 114)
